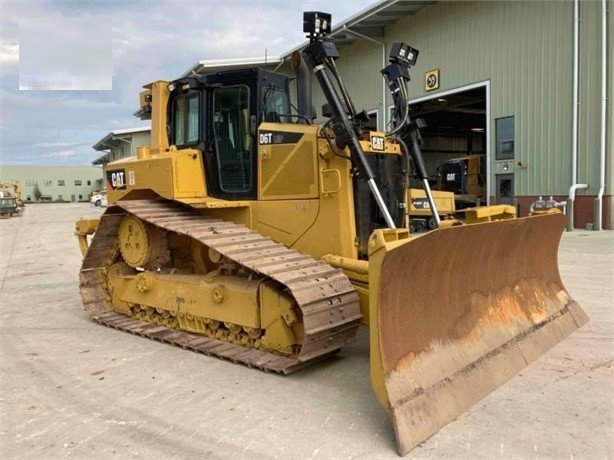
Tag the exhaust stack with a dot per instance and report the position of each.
(303, 86)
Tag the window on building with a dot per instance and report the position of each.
(61, 182)
(89, 182)
(372, 124)
(60, 198)
(505, 138)
(28, 198)
(80, 197)
(77, 182)
(29, 183)
(48, 182)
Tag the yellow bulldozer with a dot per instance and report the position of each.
(247, 232)
(419, 214)
(466, 178)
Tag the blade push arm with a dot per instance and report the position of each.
(396, 74)
(320, 56)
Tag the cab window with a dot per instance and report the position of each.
(186, 120)
(233, 142)
(276, 105)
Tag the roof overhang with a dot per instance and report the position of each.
(101, 160)
(111, 139)
(217, 65)
(370, 23)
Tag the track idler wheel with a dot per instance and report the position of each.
(142, 244)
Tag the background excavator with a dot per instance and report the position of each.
(246, 232)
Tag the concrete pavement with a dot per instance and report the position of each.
(72, 388)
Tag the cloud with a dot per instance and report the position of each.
(59, 100)
(57, 82)
(55, 144)
(9, 52)
(59, 127)
(50, 59)
(61, 154)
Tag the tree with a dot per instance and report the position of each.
(37, 193)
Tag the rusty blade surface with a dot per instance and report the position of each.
(463, 309)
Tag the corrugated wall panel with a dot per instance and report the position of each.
(140, 139)
(364, 82)
(525, 50)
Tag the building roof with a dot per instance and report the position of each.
(370, 22)
(366, 24)
(102, 160)
(130, 130)
(107, 141)
(215, 65)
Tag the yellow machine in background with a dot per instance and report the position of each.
(247, 232)
(10, 194)
(419, 210)
(466, 178)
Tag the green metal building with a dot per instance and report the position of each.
(54, 183)
(121, 143)
(528, 84)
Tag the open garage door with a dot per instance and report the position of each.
(456, 142)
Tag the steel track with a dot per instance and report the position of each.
(327, 301)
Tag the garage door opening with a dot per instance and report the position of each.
(456, 147)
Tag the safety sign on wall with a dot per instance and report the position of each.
(431, 80)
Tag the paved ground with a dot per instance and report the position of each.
(71, 388)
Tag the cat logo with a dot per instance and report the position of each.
(420, 203)
(377, 143)
(117, 179)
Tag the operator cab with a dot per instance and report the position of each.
(219, 115)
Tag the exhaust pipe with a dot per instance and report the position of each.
(303, 87)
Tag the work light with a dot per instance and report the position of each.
(403, 54)
(316, 23)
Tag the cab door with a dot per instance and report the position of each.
(233, 140)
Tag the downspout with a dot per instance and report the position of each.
(574, 122)
(574, 127)
(598, 210)
(364, 37)
(570, 202)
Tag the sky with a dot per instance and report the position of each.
(71, 71)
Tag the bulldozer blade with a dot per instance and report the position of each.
(459, 311)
